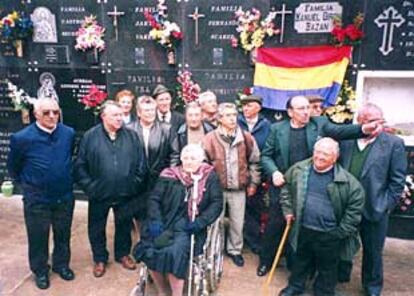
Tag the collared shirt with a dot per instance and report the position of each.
(363, 143)
(146, 133)
(126, 118)
(252, 122)
(164, 117)
(46, 130)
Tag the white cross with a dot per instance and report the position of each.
(388, 19)
(283, 13)
(115, 14)
(195, 16)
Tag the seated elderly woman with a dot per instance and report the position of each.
(165, 241)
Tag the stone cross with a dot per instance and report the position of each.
(388, 20)
(283, 13)
(115, 14)
(195, 16)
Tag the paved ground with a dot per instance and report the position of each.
(16, 279)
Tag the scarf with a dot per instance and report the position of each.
(177, 173)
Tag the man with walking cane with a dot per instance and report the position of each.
(325, 202)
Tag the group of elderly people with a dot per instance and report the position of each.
(174, 175)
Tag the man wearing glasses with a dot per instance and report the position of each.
(40, 162)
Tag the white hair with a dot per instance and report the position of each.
(224, 106)
(328, 142)
(39, 103)
(194, 149)
(145, 100)
(368, 108)
(205, 96)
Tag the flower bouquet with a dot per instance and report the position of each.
(252, 30)
(345, 107)
(247, 91)
(406, 201)
(187, 90)
(21, 101)
(90, 36)
(349, 35)
(94, 99)
(165, 32)
(16, 27)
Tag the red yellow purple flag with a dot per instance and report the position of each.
(281, 73)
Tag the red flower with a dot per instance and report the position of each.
(94, 98)
(339, 34)
(247, 91)
(353, 32)
(177, 35)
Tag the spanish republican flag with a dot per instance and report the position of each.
(285, 72)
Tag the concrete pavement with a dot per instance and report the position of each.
(16, 278)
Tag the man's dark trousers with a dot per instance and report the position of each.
(320, 249)
(373, 238)
(38, 219)
(254, 208)
(274, 229)
(97, 217)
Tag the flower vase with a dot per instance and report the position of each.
(25, 116)
(18, 45)
(7, 188)
(92, 56)
(171, 57)
(253, 57)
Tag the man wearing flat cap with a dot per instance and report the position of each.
(253, 122)
(163, 98)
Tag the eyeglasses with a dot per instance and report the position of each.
(50, 112)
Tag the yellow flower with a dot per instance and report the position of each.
(155, 34)
(14, 15)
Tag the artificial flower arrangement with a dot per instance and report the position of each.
(345, 107)
(252, 30)
(187, 90)
(166, 33)
(90, 36)
(349, 35)
(94, 99)
(21, 101)
(16, 27)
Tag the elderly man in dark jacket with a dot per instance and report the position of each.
(325, 204)
(253, 122)
(195, 128)
(40, 161)
(160, 144)
(110, 169)
(163, 98)
(380, 164)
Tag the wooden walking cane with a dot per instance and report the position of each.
(277, 258)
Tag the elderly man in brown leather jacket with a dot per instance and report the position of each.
(235, 156)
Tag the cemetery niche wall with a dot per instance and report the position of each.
(133, 61)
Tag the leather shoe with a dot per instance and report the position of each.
(65, 273)
(288, 292)
(42, 281)
(237, 259)
(99, 269)
(262, 270)
(127, 263)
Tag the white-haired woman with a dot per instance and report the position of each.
(165, 243)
